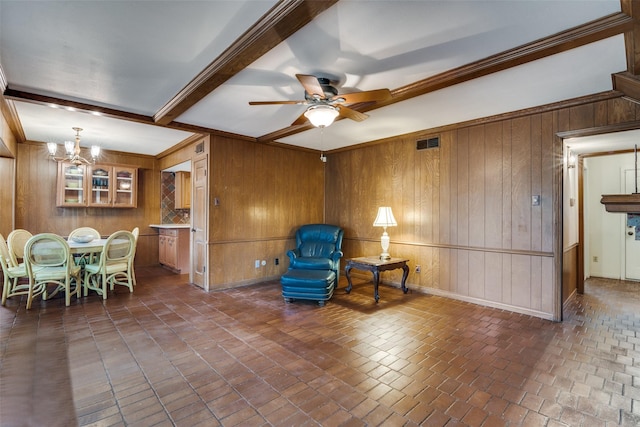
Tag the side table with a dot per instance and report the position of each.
(376, 265)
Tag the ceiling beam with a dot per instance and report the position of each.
(10, 115)
(628, 84)
(284, 19)
(590, 32)
(54, 102)
(632, 37)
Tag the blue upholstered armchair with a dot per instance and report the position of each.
(318, 247)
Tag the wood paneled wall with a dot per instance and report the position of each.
(7, 185)
(464, 210)
(182, 152)
(36, 211)
(8, 142)
(8, 149)
(569, 273)
(265, 193)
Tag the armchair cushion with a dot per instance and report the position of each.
(313, 263)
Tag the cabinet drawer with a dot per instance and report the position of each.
(168, 232)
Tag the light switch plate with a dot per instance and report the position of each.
(535, 200)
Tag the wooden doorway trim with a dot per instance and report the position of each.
(580, 278)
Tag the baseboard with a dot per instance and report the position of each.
(472, 300)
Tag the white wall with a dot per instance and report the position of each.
(604, 231)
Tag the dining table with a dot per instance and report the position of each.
(94, 246)
(88, 252)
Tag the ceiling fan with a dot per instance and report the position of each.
(325, 104)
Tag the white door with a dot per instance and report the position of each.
(632, 246)
(199, 220)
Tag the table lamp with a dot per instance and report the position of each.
(385, 219)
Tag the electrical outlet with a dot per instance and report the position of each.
(257, 263)
(418, 269)
(277, 261)
(595, 259)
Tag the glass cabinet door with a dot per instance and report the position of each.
(99, 185)
(101, 178)
(71, 185)
(125, 187)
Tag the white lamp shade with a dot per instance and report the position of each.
(385, 218)
(52, 147)
(321, 115)
(69, 147)
(95, 151)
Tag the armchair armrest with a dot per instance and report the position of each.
(336, 255)
(293, 254)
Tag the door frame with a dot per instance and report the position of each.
(581, 219)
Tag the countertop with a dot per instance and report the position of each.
(170, 225)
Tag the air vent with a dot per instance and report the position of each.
(428, 143)
(200, 148)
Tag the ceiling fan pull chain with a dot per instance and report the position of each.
(322, 157)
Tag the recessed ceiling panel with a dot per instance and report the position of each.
(563, 76)
(129, 55)
(382, 44)
(55, 124)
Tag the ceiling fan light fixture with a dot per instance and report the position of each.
(321, 115)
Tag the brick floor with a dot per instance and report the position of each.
(170, 354)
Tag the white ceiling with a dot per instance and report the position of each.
(611, 142)
(135, 56)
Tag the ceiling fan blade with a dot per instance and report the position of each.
(366, 96)
(275, 102)
(302, 119)
(311, 85)
(351, 113)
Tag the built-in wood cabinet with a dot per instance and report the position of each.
(72, 185)
(99, 185)
(173, 247)
(183, 190)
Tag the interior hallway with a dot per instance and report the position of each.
(170, 354)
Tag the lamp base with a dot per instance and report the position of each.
(385, 256)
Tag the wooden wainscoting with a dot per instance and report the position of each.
(7, 185)
(465, 210)
(569, 272)
(259, 195)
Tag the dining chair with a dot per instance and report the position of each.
(11, 273)
(16, 241)
(84, 231)
(136, 233)
(114, 266)
(48, 262)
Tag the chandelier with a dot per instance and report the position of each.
(73, 151)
